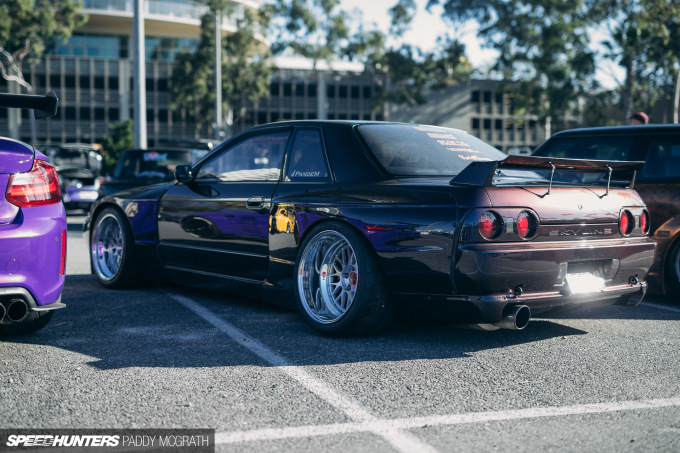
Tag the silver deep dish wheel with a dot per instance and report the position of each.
(107, 246)
(328, 276)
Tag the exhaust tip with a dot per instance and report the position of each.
(515, 317)
(17, 310)
(2, 312)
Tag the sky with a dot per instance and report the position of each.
(427, 26)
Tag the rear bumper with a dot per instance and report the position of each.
(489, 277)
(12, 295)
(489, 309)
(541, 267)
(31, 251)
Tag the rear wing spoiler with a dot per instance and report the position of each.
(43, 106)
(482, 173)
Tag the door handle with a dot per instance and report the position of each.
(256, 203)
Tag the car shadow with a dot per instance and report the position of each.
(147, 327)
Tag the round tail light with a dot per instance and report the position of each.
(644, 222)
(527, 224)
(626, 223)
(489, 224)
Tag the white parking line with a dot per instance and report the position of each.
(400, 440)
(662, 307)
(439, 420)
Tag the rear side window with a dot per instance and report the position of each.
(307, 161)
(594, 147)
(414, 150)
(663, 160)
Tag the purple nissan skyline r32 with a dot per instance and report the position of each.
(32, 228)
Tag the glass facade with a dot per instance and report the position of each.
(108, 46)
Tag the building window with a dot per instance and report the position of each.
(311, 90)
(355, 92)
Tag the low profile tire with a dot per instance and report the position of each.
(112, 251)
(673, 269)
(339, 285)
(32, 323)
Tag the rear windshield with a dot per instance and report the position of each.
(415, 150)
(151, 164)
(594, 147)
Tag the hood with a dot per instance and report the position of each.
(15, 156)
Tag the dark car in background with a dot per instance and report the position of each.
(658, 182)
(73, 155)
(79, 186)
(348, 220)
(79, 167)
(141, 167)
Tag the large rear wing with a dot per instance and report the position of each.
(483, 173)
(43, 106)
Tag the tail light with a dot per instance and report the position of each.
(527, 224)
(644, 222)
(626, 223)
(38, 187)
(489, 224)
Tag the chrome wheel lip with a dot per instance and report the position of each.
(328, 277)
(107, 247)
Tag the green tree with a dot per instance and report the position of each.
(121, 138)
(314, 29)
(29, 27)
(542, 43)
(406, 71)
(245, 72)
(643, 40)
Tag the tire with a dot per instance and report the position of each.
(673, 270)
(339, 286)
(112, 251)
(35, 321)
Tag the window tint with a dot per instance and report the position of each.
(307, 161)
(413, 150)
(257, 158)
(597, 148)
(151, 164)
(663, 160)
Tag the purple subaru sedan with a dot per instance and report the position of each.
(32, 229)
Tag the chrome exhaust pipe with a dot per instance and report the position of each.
(2, 312)
(17, 310)
(515, 317)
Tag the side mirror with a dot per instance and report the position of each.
(184, 174)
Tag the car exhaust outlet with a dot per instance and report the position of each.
(17, 310)
(2, 312)
(515, 318)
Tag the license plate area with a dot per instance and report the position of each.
(584, 283)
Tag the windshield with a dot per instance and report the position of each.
(414, 150)
(594, 147)
(151, 164)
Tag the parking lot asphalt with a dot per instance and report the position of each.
(164, 356)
